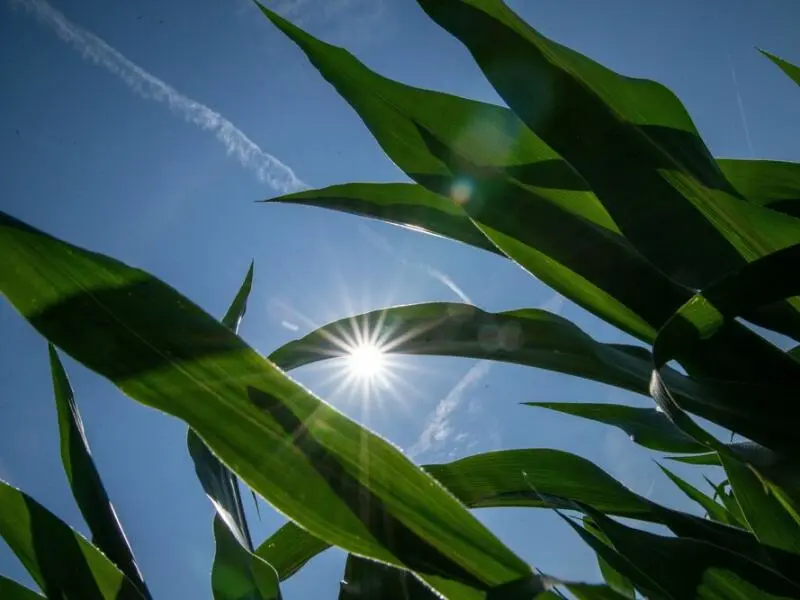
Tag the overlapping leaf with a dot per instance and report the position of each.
(659, 176)
(769, 183)
(311, 462)
(714, 511)
(61, 561)
(85, 482)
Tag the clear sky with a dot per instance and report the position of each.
(145, 130)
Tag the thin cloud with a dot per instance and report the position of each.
(267, 168)
(438, 427)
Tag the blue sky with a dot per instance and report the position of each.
(146, 130)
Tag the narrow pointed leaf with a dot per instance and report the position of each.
(581, 109)
(238, 573)
(715, 511)
(61, 561)
(84, 479)
(310, 461)
(11, 590)
(586, 591)
(612, 577)
(645, 426)
(405, 204)
(792, 71)
(765, 514)
(219, 483)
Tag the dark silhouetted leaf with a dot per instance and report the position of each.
(61, 561)
(612, 577)
(645, 426)
(84, 479)
(11, 590)
(715, 511)
(769, 183)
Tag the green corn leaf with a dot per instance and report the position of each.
(549, 478)
(61, 561)
(405, 204)
(645, 426)
(763, 399)
(769, 183)
(11, 590)
(791, 70)
(586, 591)
(528, 336)
(615, 580)
(237, 572)
(581, 109)
(85, 482)
(683, 568)
(311, 462)
(715, 511)
(369, 580)
(765, 514)
(480, 155)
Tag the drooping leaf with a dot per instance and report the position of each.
(769, 183)
(791, 70)
(85, 482)
(715, 511)
(615, 580)
(289, 549)
(299, 453)
(11, 590)
(238, 573)
(581, 109)
(645, 426)
(684, 568)
(528, 336)
(61, 561)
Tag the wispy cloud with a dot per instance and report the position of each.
(267, 168)
(438, 427)
(381, 243)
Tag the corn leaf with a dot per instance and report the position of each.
(645, 426)
(792, 71)
(61, 561)
(581, 109)
(11, 590)
(615, 580)
(237, 572)
(683, 568)
(369, 580)
(769, 183)
(714, 511)
(85, 482)
(312, 463)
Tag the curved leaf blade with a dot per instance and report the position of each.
(176, 358)
(645, 426)
(84, 479)
(792, 71)
(60, 560)
(770, 183)
(715, 511)
(369, 580)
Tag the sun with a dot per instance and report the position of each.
(366, 361)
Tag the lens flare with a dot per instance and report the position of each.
(366, 361)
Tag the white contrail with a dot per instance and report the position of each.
(741, 107)
(268, 168)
